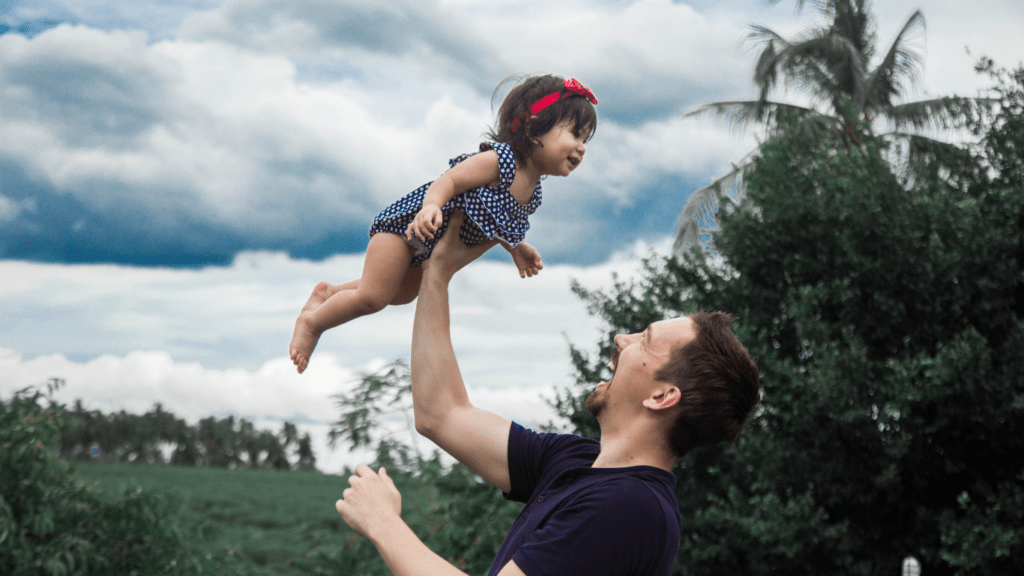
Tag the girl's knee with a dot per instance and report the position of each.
(371, 302)
(410, 287)
(404, 297)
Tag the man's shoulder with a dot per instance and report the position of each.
(537, 459)
(640, 493)
(554, 443)
(641, 488)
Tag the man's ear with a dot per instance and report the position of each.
(663, 397)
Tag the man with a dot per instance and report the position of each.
(591, 508)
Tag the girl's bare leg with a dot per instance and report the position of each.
(384, 271)
(323, 291)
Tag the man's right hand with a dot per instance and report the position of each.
(451, 254)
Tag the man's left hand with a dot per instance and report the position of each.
(371, 502)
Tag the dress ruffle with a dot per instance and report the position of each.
(492, 213)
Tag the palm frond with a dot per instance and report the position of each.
(915, 158)
(767, 66)
(851, 20)
(742, 114)
(885, 82)
(765, 35)
(936, 114)
(698, 215)
(822, 66)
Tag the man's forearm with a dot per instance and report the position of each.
(406, 555)
(477, 438)
(437, 384)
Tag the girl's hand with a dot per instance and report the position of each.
(426, 223)
(527, 259)
(371, 502)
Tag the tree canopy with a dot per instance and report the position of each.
(144, 438)
(836, 66)
(887, 324)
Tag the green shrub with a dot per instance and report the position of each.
(449, 507)
(54, 522)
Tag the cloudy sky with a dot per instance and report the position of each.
(176, 175)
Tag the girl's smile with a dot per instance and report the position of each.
(560, 150)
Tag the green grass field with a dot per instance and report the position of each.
(269, 522)
(266, 519)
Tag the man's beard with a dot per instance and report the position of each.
(595, 403)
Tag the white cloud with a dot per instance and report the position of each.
(267, 396)
(10, 208)
(242, 315)
(213, 341)
(508, 332)
(205, 132)
(625, 159)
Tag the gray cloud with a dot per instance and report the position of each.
(287, 125)
(439, 38)
(87, 93)
(146, 134)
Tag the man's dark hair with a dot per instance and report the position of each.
(718, 382)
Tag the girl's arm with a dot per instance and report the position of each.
(473, 172)
(527, 259)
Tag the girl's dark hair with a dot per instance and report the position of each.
(516, 128)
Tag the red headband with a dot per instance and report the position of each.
(572, 85)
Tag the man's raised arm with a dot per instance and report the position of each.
(477, 438)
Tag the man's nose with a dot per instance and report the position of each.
(620, 341)
(623, 340)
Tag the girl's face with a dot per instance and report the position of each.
(561, 150)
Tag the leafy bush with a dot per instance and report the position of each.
(451, 509)
(55, 523)
(887, 322)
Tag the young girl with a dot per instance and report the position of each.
(543, 124)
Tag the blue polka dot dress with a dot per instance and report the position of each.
(490, 212)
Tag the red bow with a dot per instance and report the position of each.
(573, 85)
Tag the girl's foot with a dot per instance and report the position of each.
(304, 340)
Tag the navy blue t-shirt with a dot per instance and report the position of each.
(584, 520)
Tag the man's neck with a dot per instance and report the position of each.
(620, 449)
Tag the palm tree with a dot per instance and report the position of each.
(830, 63)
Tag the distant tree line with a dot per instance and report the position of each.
(159, 437)
(53, 522)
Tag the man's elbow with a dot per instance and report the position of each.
(431, 420)
(426, 426)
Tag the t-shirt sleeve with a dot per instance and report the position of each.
(532, 454)
(616, 530)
